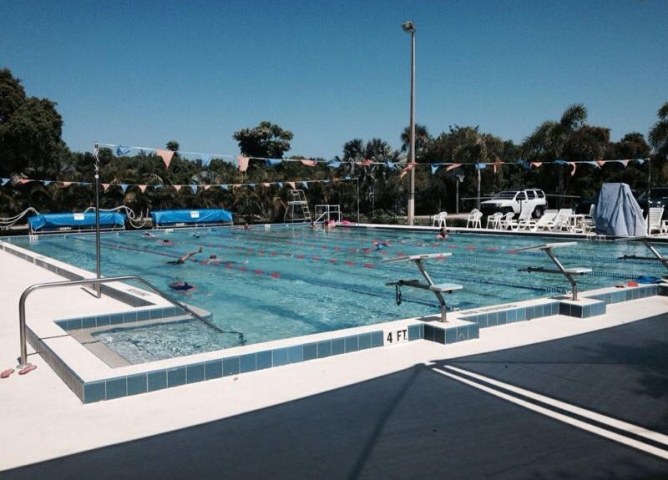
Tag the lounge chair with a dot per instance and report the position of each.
(525, 221)
(562, 221)
(546, 221)
(654, 219)
(473, 220)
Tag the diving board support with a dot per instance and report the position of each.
(646, 242)
(438, 289)
(566, 272)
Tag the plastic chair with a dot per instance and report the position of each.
(473, 220)
(439, 219)
(493, 220)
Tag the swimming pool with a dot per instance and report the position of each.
(285, 281)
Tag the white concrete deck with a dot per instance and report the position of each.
(42, 419)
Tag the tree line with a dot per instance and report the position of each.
(367, 178)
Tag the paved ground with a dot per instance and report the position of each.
(550, 398)
(417, 423)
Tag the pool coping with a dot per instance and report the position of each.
(93, 380)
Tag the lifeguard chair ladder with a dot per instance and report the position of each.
(298, 210)
(438, 289)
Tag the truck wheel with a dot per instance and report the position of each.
(538, 212)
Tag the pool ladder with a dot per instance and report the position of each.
(97, 282)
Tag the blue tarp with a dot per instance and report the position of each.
(75, 220)
(618, 213)
(212, 215)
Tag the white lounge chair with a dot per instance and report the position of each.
(524, 221)
(439, 220)
(562, 221)
(546, 221)
(473, 220)
(654, 219)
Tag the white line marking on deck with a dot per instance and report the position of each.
(611, 422)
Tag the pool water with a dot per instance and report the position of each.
(283, 281)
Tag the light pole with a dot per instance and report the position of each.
(98, 286)
(410, 27)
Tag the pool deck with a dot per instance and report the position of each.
(476, 409)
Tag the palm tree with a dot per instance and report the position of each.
(422, 139)
(549, 140)
(658, 135)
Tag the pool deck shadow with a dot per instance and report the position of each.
(415, 423)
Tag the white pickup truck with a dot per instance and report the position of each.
(516, 201)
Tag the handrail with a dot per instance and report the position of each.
(97, 281)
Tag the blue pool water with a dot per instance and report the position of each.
(285, 281)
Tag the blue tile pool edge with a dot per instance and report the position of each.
(467, 329)
(132, 384)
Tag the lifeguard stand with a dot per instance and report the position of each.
(297, 210)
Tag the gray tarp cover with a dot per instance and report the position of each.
(618, 213)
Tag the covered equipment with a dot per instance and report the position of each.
(50, 222)
(617, 212)
(211, 216)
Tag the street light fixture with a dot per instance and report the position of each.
(409, 27)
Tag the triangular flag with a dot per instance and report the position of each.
(177, 187)
(206, 159)
(122, 151)
(600, 162)
(435, 167)
(574, 168)
(406, 169)
(166, 156)
(308, 163)
(142, 188)
(593, 163)
(535, 164)
(453, 166)
(292, 184)
(193, 188)
(124, 187)
(243, 163)
(272, 162)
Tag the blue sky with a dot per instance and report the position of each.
(142, 73)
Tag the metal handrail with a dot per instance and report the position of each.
(98, 281)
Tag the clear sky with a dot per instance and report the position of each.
(142, 73)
